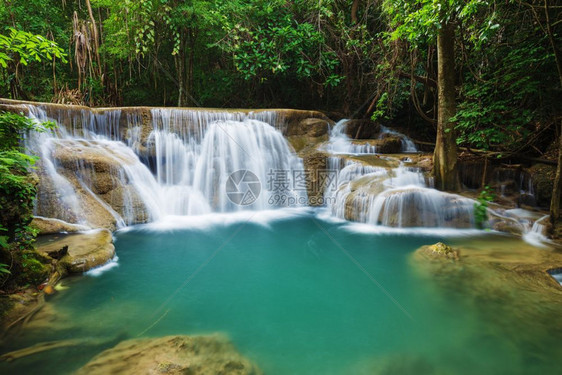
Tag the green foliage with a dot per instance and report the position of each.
(17, 195)
(481, 206)
(17, 186)
(34, 266)
(498, 110)
(21, 47)
(4, 268)
(381, 108)
(265, 40)
(419, 20)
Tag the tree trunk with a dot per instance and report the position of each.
(95, 37)
(354, 8)
(180, 76)
(557, 186)
(445, 154)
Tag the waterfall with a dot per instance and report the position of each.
(111, 163)
(392, 194)
(341, 143)
(407, 144)
(537, 234)
(396, 197)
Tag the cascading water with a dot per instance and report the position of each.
(407, 144)
(341, 143)
(391, 194)
(188, 157)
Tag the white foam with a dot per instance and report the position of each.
(364, 228)
(97, 271)
(211, 221)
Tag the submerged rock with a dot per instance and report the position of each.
(85, 250)
(438, 251)
(197, 355)
(401, 364)
(507, 282)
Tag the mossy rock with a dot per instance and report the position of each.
(196, 355)
(439, 251)
(35, 267)
(85, 250)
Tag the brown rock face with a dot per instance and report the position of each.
(293, 121)
(362, 129)
(96, 174)
(312, 127)
(199, 355)
(314, 163)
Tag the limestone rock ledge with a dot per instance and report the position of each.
(84, 250)
(48, 225)
(195, 355)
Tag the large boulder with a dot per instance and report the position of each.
(293, 122)
(311, 127)
(95, 173)
(197, 355)
(407, 207)
(362, 129)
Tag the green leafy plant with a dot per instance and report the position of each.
(381, 108)
(4, 268)
(17, 196)
(21, 47)
(481, 206)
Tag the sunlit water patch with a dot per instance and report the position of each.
(297, 294)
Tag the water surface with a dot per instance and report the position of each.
(297, 294)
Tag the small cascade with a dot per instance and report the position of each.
(407, 144)
(396, 197)
(108, 165)
(391, 193)
(537, 234)
(341, 143)
(88, 177)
